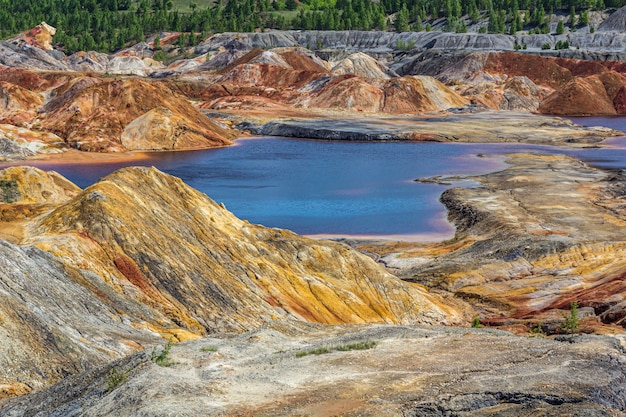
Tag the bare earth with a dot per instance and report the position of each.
(411, 371)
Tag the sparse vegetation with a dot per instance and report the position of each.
(114, 378)
(208, 349)
(404, 46)
(476, 323)
(356, 346)
(571, 323)
(162, 359)
(8, 191)
(537, 331)
(341, 348)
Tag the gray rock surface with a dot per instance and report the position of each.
(411, 371)
(466, 124)
(615, 22)
(44, 340)
(28, 57)
(374, 42)
(11, 151)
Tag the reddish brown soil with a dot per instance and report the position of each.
(581, 96)
(23, 77)
(93, 113)
(541, 70)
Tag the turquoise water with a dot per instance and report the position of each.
(336, 188)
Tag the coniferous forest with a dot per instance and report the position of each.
(108, 25)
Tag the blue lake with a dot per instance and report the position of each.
(338, 188)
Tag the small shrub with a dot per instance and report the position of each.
(114, 378)
(9, 191)
(537, 331)
(571, 324)
(476, 323)
(159, 56)
(162, 358)
(546, 46)
(401, 45)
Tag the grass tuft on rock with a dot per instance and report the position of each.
(341, 348)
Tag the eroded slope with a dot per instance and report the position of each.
(140, 255)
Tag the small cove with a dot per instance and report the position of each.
(339, 189)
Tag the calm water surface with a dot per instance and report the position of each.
(339, 188)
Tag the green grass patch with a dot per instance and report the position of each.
(185, 5)
(340, 348)
(208, 349)
(357, 346)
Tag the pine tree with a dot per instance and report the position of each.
(584, 18)
(560, 28)
(402, 20)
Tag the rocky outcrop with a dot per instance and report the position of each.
(57, 321)
(20, 143)
(29, 57)
(39, 37)
(592, 95)
(28, 185)
(522, 257)
(374, 42)
(419, 94)
(12, 151)
(17, 104)
(23, 78)
(88, 61)
(111, 273)
(461, 126)
(616, 22)
(581, 96)
(520, 93)
(426, 372)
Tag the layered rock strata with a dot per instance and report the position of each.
(480, 127)
(140, 255)
(530, 240)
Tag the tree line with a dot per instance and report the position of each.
(108, 25)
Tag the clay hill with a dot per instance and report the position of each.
(112, 115)
(101, 273)
(202, 105)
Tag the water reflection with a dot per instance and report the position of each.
(338, 188)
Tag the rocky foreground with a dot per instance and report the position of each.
(297, 369)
